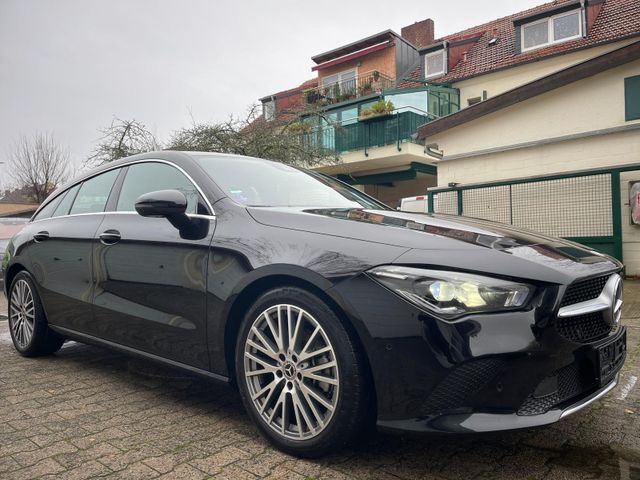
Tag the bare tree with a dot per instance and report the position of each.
(287, 140)
(121, 139)
(38, 165)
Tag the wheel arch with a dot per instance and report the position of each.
(297, 277)
(12, 271)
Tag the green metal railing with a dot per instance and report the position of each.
(582, 206)
(397, 127)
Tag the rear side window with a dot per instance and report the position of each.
(65, 203)
(150, 177)
(48, 209)
(94, 193)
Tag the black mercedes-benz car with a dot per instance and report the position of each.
(328, 310)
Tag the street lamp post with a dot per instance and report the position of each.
(1, 179)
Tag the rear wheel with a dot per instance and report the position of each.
(27, 323)
(300, 375)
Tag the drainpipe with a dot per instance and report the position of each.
(583, 17)
(445, 47)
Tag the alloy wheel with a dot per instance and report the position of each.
(22, 313)
(291, 372)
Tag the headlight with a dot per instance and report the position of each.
(452, 294)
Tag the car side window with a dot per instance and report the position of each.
(94, 193)
(148, 177)
(48, 209)
(65, 204)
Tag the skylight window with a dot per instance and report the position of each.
(555, 29)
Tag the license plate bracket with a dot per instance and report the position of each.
(611, 357)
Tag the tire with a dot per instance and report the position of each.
(27, 322)
(271, 375)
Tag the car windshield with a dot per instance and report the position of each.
(262, 183)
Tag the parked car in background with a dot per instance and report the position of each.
(417, 204)
(327, 309)
(9, 226)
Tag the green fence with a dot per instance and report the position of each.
(582, 206)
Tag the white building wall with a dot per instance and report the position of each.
(525, 140)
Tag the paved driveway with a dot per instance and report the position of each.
(87, 412)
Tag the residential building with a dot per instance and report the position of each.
(549, 138)
(539, 126)
(379, 153)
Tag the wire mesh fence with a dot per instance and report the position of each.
(490, 203)
(447, 202)
(573, 206)
(566, 207)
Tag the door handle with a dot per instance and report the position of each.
(109, 237)
(41, 236)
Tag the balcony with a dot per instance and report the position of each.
(396, 127)
(361, 86)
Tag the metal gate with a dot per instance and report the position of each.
(580, 206)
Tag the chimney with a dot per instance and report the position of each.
(419, 34)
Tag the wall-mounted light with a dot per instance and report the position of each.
(453, 184)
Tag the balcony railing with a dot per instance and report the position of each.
(397, 127)
(361, 86)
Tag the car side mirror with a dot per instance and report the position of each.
(163, 203)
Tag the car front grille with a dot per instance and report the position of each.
(584, 290)
(588, 327)
(584, 328)
(570, 385)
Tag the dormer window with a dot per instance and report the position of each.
(555, 29)
(435, 64)
(269, 109)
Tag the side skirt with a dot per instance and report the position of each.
(90, 339)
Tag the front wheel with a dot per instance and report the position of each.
(301, 377)
(27, 322)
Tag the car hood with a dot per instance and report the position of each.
(449, 241)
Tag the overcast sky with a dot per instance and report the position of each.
(70, 66)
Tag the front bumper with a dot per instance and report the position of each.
(490, 422)
(483, 373)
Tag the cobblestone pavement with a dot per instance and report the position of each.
(87, 412)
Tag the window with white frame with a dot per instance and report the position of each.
(555, 29)
(435, 64)
(340, 83)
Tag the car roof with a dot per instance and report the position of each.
(180, 158)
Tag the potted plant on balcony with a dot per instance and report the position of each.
(376, 84)
(378, 110)
(335, 92)
(312, 96)
(365, 89)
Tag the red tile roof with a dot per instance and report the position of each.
(566, 76)
(616, 20)
(291, 102)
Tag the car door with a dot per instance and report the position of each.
(150, 277)
(60, 253)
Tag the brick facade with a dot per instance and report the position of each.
(384, 61)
